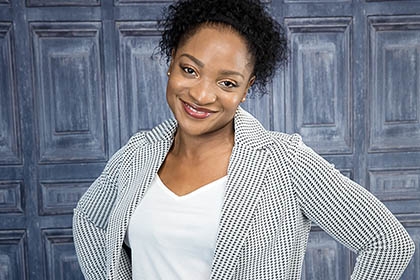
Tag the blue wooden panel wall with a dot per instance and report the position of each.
(78, 77)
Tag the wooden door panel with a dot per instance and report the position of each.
(11, 197)
(12, 254)
(60, 256)
(394, 64)
(54, 3)
(59, 197)
(398, 189)
(319, 78)
(69, 91)
(9, 123)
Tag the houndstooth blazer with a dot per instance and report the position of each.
(276, 186)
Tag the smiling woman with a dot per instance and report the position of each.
(211, 194)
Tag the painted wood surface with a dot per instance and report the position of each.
(79, 77)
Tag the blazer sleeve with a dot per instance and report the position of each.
(90, 220)
(352, 215)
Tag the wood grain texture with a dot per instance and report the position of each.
(79, 77)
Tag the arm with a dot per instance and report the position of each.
(90, 220)
(352, 215)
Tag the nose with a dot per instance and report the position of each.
(202, 92)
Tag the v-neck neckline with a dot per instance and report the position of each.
(195, 192)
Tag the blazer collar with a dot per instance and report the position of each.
(249, 131)
(246, 173)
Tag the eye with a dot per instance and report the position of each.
(228, 84)
(189, 70)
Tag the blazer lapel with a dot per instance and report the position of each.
(145, 165)
(247, 169)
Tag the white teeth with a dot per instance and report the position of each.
(195, 110)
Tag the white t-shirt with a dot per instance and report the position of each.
(174, 237)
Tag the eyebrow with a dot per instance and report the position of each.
(228, 73)
(196, 61)
(201, 64)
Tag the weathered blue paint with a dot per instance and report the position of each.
(78, 77)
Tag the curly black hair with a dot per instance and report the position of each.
(265, 37)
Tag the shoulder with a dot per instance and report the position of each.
(251, 133)
(294, 148)
(161, 133)
(125, 156)
(135, 141)
(288, 143)
(285, 138)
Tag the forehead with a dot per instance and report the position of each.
(211, 43)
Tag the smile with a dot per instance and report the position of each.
(195, 112)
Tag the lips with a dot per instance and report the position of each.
(196, 112)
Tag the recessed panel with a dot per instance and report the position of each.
(69, 91)
(134, 2)
(400, 88)
(11, 197)
(12, 255)
(346, 172)
(46, 3)
(325, 258)
(398, 189)
(60, 255)
(319, 83)
(317, 63)
(61, 197)
(141, 78)
(395, 83)
(9, 129)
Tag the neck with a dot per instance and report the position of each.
(201, 146)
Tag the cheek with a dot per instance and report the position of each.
(231, 103)
(235, 101)
(174, 86)
(235, 97)
(171, 90)
(170, 94)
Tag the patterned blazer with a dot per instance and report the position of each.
(276, 186)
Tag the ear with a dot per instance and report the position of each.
(250, 83)
(173, 52)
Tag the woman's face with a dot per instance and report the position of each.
(210, 74)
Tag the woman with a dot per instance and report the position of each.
(212, 194)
